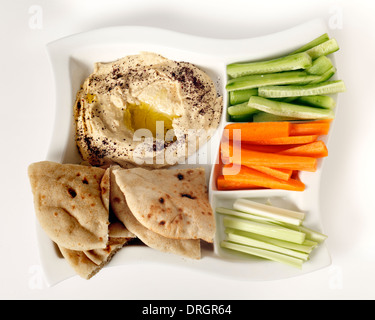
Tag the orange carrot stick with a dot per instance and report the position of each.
(251, 158)
(310, 128)
(225, 184)
(286, 140)
(251, 176)
(283, 174)
(317, 149)
(258, 130)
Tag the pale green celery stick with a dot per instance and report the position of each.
(281, 78)
(270, 255)
(273, 231)
(268, 211)
(323, 49)
(243, 215)
(310, 234)
(269, 117)
(290, 110)
(327, 87)
(325, 102)
(307, 246)
(241, 109)
(323, 38)
(240, 96)
(264, 245)
(286, 63)
(320, 66)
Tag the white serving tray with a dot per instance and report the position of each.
(72, 60)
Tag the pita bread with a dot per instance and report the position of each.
(170, 202)
(71, 203)
(88, 263)
(186, 248)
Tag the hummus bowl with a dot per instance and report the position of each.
(72, 60)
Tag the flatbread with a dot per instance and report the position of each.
(170, 202)
(71, 203)
(88, 263)
(186, 248)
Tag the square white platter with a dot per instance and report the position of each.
(72, 60)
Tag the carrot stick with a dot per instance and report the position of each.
(283, 174)
(225, 184)
(317, 149)
(251, 158)
(310, 128)
(286, 140)
(250, 176)
(258, 130)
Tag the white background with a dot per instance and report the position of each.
(27, 115)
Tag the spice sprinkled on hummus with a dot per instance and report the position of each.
(141, 92)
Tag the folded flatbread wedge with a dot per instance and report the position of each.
(170, 202)
(71, 204)
(187, 248)
(88, 263)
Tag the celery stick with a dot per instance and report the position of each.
(271, 212)
(307, 246)
(286, 63)
(323, 49)
(264, 245)
(239, 96)
(289, 110)
(241, 109)
(327, 87)
(310, 234)
(273, 231)
(325, 102)
(313, 43)
(320, 66)
(282, 258)
(243, 215)
(281, 78)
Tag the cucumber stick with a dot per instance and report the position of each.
(287, 63)
(323, 38)
(289, 109)
(326, 102)
(241, 109)
(327, 87)
(323, 49)
(240, 96)
(320, 66)
(281, 78)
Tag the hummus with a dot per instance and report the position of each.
(169, 99)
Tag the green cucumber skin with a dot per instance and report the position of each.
(289, 110)
(240, 96)
(320, 66)
(325, 102)
(327, 87)
(241, 109)
(323, 38)
(282, 78)
(323, 49)
(286, 63)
